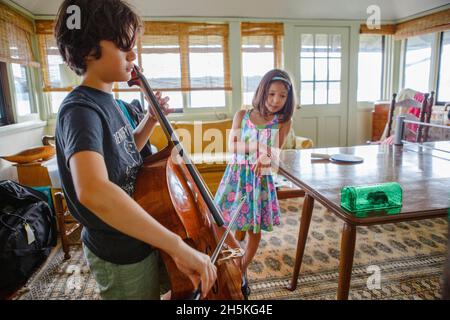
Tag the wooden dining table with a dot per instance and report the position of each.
(422, 171)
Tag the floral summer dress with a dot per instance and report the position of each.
(260, 211)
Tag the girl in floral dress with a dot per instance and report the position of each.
(255, 140)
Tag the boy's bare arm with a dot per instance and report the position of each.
(143, 131)
(110, 203)
(113, 205)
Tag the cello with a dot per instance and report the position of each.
(178, 198)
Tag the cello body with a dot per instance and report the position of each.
(172, 191)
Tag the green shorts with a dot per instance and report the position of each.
(145, 280)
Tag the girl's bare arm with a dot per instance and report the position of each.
(235, 144)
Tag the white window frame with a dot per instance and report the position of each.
(438, 65)
(34, 115)
(386, 47)
(432, 81)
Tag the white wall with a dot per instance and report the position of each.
(16, 140)
(284, 9)
(363, 126)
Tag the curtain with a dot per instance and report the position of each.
(264, 35)
(436, 22)
(16, 34)
(174, 56)
(385, 29)
(198, 55)
(261, 50)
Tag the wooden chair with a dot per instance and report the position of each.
(426, 118)
(66, 223)
(425, 114)
(391, 115)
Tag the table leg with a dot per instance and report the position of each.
(346, 260)
(308, 206)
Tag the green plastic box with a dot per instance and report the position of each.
(371, 197)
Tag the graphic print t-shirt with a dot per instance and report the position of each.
(90, 120)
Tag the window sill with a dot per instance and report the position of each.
(21, 127)
(204, 116)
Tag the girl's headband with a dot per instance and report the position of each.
(277, 78)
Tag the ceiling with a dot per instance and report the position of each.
(391, 10)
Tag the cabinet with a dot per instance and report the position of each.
(379, 119)
(33, 174)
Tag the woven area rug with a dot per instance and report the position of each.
(408, 256)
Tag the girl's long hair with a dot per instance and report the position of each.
(260, 97)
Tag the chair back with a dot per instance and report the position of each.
(424, 115)
(391, 115)
(428, 112)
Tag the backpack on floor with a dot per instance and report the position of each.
(27, 233)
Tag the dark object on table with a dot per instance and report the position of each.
(377, 198)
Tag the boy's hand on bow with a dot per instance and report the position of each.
(197, 266)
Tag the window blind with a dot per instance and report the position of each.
(16, 34)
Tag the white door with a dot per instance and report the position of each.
(321, 75)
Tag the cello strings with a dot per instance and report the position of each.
(227, 231)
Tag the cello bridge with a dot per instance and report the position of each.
(231, 253)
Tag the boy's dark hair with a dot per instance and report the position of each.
(111, 20)
(260, 97)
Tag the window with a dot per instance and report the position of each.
(256, 61)
(370, 67)
(17, 57)
(320, 69)
(163, 57)
(56, 98)
(16, 100)
(4, 88)
(206, 69)
(443, 88)
(417, 62)
(55, 63)
(55, 73)
(189, 62)
(163, 61)
(3, 118)
(261, 52)
(21, 90)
